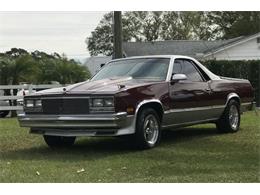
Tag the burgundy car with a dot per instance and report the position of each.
(137, 98)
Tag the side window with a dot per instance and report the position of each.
(177, 67)
(190, 71)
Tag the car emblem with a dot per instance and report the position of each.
(120, 86)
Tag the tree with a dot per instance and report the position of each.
(148, 26)
(154, 26)
(5, 71)
(15, 68)
(18, 65)
(101, 39)
(234, 24)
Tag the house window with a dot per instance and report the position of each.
(258, 40)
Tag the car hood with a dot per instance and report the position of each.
(104, 86)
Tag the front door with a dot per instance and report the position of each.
(189, 99)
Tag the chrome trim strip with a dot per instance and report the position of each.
(246, 104)
(147, 101)
(170, 67)
(61, 97)
(77, 133)
(190, 123)
(73, 117)
(85, 121)
(101, 96)
(73, 97)
(139, 106)
(193, 109)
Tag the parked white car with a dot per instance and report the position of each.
(22, 92)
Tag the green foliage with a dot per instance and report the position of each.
(193, 154)
(230, 24)
(185, 26)
(238, 69)
(18, 65)
(189, 25)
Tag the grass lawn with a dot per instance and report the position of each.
(194, 154)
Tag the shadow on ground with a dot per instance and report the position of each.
(95, 148)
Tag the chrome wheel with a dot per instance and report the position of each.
(233, 117)
(151, 129)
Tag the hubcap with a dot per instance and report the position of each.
(233, 117)
(151, 129)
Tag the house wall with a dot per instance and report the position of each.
(94, 63)
(249, 50)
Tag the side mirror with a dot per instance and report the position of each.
(178, 77)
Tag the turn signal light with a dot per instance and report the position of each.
(130, 110)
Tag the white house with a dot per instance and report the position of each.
(94, 63)
(245, 48)
(240, 48)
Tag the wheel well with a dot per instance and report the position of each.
(234, 98)
(156, 106)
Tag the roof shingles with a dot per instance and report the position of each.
(173, 47)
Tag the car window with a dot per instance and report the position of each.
(154, 69)
(186, 67)
(177, 67)
(190, 71)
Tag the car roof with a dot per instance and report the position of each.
(153, 56)
(211, 75)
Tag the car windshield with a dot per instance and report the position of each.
(141, 68)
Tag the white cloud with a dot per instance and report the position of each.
(62, 32)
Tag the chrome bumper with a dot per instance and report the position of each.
(79, 125)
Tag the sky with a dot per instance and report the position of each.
(61, 32)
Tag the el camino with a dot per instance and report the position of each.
(137, 98)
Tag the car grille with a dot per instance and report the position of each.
(65, 106)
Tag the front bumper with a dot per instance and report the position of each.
(79, 125)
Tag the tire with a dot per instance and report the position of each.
(59, 141)
(230, 119)
(4, 113)
(148, 129)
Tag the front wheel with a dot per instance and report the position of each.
(230, 119)
(148, 129)
(59, 141)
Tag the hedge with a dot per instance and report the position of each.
(238, 69)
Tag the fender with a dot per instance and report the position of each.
(142, 103)
(232, 95)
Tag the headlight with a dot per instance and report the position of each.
(33, 105)
(109, 102)
(104, 104)
(29, 103)
(98, 102)
(38, 103)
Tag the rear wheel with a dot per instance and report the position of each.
(230, 119)
(4, 113)
(59, 141)
(148, 129)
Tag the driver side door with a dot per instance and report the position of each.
(188, 98)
